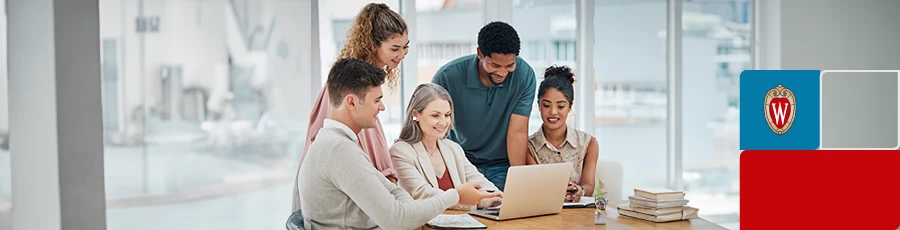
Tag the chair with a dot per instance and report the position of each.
(610, 172)
(295, 221)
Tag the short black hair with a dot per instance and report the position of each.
(498, 37)
(351, 75)
(560, 78)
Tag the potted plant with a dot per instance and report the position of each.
(600, 203)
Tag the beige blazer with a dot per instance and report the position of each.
(416, 174)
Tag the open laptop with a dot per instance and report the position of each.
(531, 190)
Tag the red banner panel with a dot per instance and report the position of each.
(820, 189)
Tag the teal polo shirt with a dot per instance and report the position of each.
(482, 113)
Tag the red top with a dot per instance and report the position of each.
(444, 181)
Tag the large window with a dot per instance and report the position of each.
(716, 48)
(547, 31)
(203, 118)
(445, 30)
(444, 51)
(630, 89)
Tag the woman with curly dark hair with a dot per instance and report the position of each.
(380, 37)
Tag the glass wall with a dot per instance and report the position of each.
(202, 122)
(630, 89)
(716, 48)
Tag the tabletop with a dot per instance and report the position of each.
(583, 218)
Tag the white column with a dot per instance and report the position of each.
(584, 103)
(673, 87)
(313, 55)
(410, 71)
(766, 32)
(309, 62)
(55, 115)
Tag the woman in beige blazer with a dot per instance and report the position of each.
(427, 163)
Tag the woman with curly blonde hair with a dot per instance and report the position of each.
(380, 37)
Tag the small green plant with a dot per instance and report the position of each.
(599, 200)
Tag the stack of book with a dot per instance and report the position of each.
(658, 205)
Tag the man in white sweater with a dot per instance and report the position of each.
(339, 188)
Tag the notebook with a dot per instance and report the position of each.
(687, 212)
(585, 202)
(659, 194)
(455, 221)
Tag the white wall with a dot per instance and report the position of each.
(191, 34)
(837, 34)
(196, 41)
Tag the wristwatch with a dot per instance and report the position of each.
(580, 189)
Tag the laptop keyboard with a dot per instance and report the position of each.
(492, 213)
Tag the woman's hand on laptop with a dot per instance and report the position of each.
(469, 194)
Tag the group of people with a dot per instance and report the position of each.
(461, 133)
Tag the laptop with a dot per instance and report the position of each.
(531, 190)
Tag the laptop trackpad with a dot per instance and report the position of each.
(492, 214)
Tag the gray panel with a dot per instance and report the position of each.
(839, 34)
(859, 110)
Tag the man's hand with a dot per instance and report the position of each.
(491, 202)
(470, 196)
(517, 140)
(392, 178)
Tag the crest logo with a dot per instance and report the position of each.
(780, 108)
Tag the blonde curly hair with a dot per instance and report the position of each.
(374, 24)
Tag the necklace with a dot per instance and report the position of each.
(431, 153)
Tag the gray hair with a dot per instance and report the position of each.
(424, 94)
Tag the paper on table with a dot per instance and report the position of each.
(455, 221)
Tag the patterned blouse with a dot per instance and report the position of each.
(572, 150)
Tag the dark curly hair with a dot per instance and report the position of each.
(498, 37)
(351, 75)
(559, 78)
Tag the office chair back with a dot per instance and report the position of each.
(610, 172)
(295, 221)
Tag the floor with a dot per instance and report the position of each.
(263, 209)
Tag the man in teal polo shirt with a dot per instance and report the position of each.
(492, 94)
